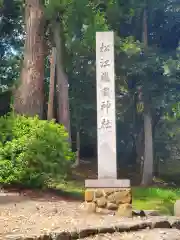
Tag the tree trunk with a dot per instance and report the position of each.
(50, 113)
(62, 82)
(29, 97)
(147, 174)
(140, 153)
(78, 144)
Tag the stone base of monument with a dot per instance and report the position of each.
(108, 196)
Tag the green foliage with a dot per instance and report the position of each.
(155, 198)
(155, 69)
(32, 151)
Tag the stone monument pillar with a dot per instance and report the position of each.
(107, 193)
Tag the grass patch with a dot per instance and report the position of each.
(160, 199)
(73, 189)
(71, 186)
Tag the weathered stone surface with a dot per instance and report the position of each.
(108, 191)
(177, 208)
(107, 229)
(59, 235)
(161, 224)
(112, 206)
(122, 196)
(109, 198)
(87, 232)
(101, 202)
(89, 195)
(156, 234)
(90, 207)
(99, 193)
(125, 210)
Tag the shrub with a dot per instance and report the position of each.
(32, 151)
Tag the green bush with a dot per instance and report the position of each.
(32, 151)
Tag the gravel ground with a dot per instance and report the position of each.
(45, 213)
(37, 214)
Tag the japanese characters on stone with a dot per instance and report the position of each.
(105, 90)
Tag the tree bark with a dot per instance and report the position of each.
(29, 96)
(62, 82)
(140, 152)
(50, 113)
(78, 144)
(147, 173)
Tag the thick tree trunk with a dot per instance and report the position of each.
(29, 97)
(62, 82)
(50, 113)
(147, 174)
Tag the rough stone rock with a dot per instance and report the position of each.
(90, 207)
(123, 196)
(99, 193)
(177, 208)
(101, 202)
(109, 191)
(161, 224)
(58, 235)
(112, 206)
(87, 232)
(109, 198)
(89, 195)
(124, 210)
(106, 229)
(157, 234)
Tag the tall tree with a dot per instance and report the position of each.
(50, 111)
(62, 80)
(29, 96)
(147, 173)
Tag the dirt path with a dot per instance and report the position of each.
(37, 214)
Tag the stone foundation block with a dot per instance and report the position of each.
(108, 200)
